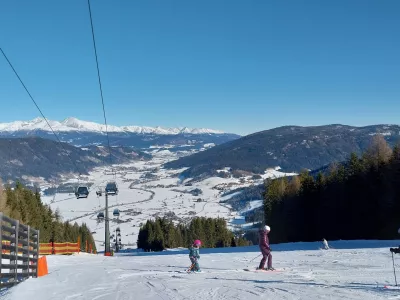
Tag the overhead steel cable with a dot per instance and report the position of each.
(37, 106)
(99, 79)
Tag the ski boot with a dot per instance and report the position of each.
(395, 250)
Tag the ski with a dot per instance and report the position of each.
(392, 287)
(261, 271)
(190, 268)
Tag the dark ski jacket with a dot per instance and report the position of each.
(194, 252)
(263, 241)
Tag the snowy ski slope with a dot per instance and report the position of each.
(353, 270)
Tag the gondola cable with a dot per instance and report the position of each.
(99, 80)
(40, 111)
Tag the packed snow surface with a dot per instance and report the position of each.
(252, 205)
(353, 270)
(73, 124)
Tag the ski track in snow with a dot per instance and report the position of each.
(358, 273)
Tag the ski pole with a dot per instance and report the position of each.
(394, 270)
(253, 259)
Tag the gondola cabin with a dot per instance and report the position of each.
(82, 192)
(100, 216)
(111, 188)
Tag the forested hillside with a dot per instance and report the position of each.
(24, 205)
(22, 158)
(356, 200)
(292, 148)
(160, 234)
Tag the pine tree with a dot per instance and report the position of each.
(209, 228)
(233, 242)
(170, 235)
(355, 166)
(158, 242)
(143, 237)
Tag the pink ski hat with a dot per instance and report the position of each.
(197, 243)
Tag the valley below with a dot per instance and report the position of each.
(148, 191)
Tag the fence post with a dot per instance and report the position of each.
(16, 250)
(29, 250)
(1, 238)
(37, 254)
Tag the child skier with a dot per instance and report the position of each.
(265, 248)
(326, 246)
(194, 255)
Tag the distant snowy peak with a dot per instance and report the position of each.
(73, 124)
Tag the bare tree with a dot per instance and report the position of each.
(3, 199)
(379, 150)
(294, 185)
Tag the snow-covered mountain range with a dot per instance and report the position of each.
(83, 133)
(74, 124)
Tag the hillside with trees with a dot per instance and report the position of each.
(292, 148)
(22, 158)
(26, 206)
(359, 199)
(161, 234)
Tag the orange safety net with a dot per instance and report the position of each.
(58, 248)
(49, 248)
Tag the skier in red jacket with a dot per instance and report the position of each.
(265, 248)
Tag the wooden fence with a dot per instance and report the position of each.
(19, 251)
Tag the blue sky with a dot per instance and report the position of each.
(238, 66)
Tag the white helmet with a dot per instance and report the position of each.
(267, 228)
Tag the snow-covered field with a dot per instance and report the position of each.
(353, 270)
(139, 199)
